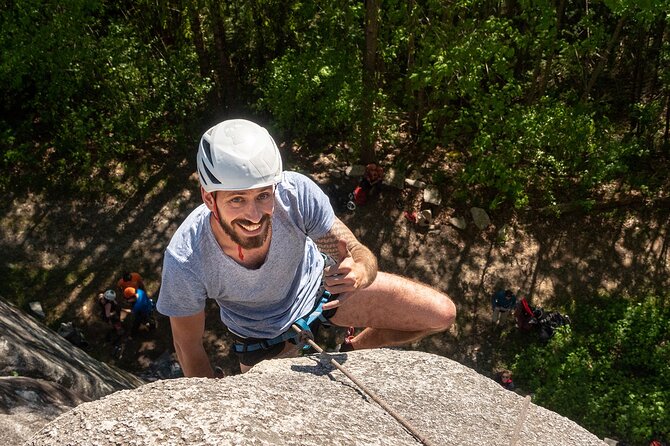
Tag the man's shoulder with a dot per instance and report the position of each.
(189, 234)
(299, 185)
(291, 180)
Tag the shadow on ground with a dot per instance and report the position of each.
(63, 253)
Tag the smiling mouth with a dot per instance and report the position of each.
(250, 227)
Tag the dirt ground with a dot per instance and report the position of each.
(64, 252)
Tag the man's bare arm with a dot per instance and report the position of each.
(187, 334)
(356, 265)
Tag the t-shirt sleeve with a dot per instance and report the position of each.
(182, 292)
(317, 212)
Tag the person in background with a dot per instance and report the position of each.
(504, 378)
(502, 302)
(110, 311)
(130, 280)
(142, 309)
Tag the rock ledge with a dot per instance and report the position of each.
(299, 401)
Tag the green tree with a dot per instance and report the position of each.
(523, 102)
(369, 82)
(313, 90)
(609, 370)
(84, 88)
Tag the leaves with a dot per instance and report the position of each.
(81, 89)
(609, 371)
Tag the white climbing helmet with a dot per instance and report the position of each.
(110, 295)
(238, 155)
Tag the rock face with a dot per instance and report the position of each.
(301, 401)
(42, 375)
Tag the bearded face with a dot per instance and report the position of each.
(244, 216)
(247, 234)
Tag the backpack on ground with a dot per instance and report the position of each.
(73, 334)
(549, 322)
(524, 314)
(530, 318)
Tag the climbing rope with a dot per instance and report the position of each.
(370, 393)
(520, 421)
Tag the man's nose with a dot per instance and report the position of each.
(254, 212)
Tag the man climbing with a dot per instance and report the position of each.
(268, 248)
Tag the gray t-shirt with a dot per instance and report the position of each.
(259, 303)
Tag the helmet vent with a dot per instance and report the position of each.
(210, 176)
(208, 150)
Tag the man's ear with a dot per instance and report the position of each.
(209, 198)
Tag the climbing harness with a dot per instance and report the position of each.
(370, 393)
(301, 338)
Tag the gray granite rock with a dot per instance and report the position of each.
(415, 183)
(28, 348)
(300, 401)
(480, 217)
(42, 376)
(458, 222)
(432, 195)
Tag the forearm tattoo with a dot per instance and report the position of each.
(328, 244)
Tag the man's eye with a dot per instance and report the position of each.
(236, 200)
(264, 196)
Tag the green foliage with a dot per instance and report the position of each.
(542, 105)
(312, 96)
(82, 92)
(609, 370)
(312, 90)
(505, 90)
(547, 148)
(533, 104)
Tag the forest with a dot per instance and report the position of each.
(529, 105)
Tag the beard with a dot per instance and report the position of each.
(245, 242)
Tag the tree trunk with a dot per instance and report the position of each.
(647, 53)
(639, 57)
(509, 8)
(666, 134)
(412, 93)
(542, 79)
(603, 59)
(224, 71)
(657, 43)
(198, 40)
(369, 84)
(260, 51)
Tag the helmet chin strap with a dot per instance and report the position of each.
(218, 219)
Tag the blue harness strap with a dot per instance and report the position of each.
(304, 323)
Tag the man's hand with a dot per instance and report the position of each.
(345, 276)
(356, 266)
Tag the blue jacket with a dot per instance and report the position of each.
(501, 301)
(143, 306)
